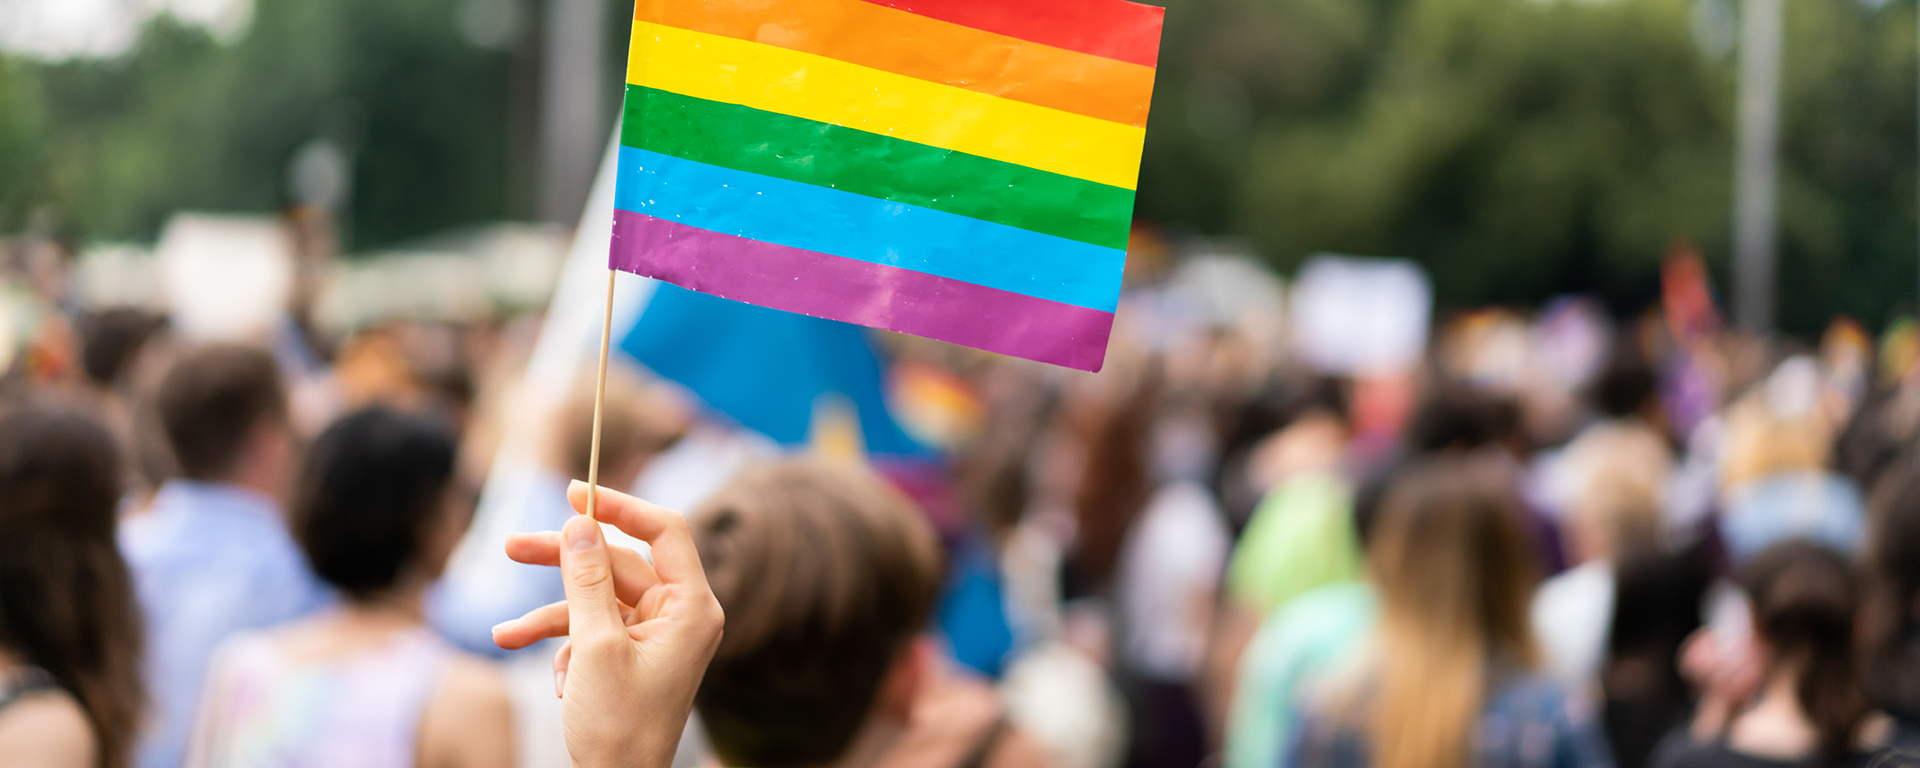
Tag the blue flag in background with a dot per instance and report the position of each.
(768, 370)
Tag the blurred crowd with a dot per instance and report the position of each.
(1552, 536)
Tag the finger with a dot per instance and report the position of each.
(542, 548)
(632, 574)
(675, 560)
(539, 624)
(561, 661)
(586, 568)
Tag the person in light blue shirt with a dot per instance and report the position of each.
(212, 556)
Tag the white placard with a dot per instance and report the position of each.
(1355, 316)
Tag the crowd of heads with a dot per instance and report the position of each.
(1210, 551)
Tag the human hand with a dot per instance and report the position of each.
(640, 634)
(1725, 672)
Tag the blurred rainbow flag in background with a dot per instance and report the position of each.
(962, 170)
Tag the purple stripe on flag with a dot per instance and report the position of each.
(855, 291)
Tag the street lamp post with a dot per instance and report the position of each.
(1757, 164)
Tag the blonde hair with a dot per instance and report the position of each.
(1624, 469)
(1759, 443)
(1454, 573)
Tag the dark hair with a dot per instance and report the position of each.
(1657, 596)
(212, 399)
(1872, 440)
(1115, 485)
(66, 600)
(826, 575)
(110, 340)
(1891, 630)
(371, 485)
(1628, 384)
(1455, 416)
(1805, 597)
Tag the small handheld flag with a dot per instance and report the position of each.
(962, 170)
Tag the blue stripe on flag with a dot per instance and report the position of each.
(869, 229)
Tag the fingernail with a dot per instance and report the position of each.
(572, 485)
(582, 535)
(502, 625)
(560, 684)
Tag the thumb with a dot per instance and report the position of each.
(593, 612)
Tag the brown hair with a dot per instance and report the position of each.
(66, 601)
(826, 575)
(1116, 484)
(212, 399)
(1805, 597)
(1451, 563)
(636, 423)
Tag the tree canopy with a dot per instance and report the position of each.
(1518, 148)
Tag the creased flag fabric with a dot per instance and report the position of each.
(957, 169)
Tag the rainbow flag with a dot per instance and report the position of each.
(962, 170)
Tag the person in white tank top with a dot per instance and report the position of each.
(367, 684)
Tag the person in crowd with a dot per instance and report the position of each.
(1166, 581)
(1621, 472)
(1655, 606)
(1810, 706)
(826, 661)
(1316, 631)
(1301, 534)
(1775, 478)
(213, 556)
(367, 684)
(121, 352)
(1890, 620)
(70, 690)
(1450, 677)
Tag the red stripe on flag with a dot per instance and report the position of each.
(1114, 29)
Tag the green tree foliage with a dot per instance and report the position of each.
(1524, 147)
(186, 122)
(23, 165)
(1516, 147)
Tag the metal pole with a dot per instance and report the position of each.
(571, 128)
(1758, 160)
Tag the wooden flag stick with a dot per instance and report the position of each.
(599, 400)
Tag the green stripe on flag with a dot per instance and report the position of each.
(851, 160)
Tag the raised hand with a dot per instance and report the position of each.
(640, 634)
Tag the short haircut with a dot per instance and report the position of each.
(371, 485)
(1457, 416)
(111, 340)
(826, 575)
(632, 425)
(212, 399)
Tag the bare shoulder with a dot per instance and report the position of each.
(46, 731)
(1016, 750)
(470, 722)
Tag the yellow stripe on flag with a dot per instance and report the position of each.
(816, 88)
